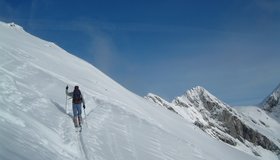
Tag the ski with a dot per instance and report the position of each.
(78, 129)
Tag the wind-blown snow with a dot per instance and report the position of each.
(35, 122)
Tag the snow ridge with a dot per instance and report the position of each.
(12, 25)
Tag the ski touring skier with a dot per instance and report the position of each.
(77, 100)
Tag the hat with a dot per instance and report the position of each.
(76, 87)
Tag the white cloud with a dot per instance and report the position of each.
(101, 46)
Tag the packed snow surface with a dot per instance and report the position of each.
(35, 115)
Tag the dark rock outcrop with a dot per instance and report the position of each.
(239, 130)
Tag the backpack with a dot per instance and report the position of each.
(77, 96)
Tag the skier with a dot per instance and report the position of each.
(77, 100)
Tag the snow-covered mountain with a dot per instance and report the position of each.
(35, 115)
(271, 104)
(222, 122)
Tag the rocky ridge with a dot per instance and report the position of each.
(271, 104)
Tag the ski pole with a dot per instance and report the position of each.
(85, 116)
(66, 102)
(66, 105)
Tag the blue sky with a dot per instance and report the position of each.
(166, 47)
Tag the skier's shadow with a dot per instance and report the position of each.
(61, 109)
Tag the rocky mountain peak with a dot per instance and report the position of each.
(272, 102)
(197, 90)
(203, 100)
(197, 93)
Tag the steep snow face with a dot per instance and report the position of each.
(272, 104)
(220, 121)
(260, 120)
(35, 115)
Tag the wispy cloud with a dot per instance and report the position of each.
(101, 46)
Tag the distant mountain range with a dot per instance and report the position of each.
(234, 126)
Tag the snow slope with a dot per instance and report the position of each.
(261, 121)
(35, 122)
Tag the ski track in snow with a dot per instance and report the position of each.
(82, 145)
(9, 60)
(79, 135)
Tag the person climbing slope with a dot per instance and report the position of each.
(77, 100)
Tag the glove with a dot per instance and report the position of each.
(66, 87)
(84, 106)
